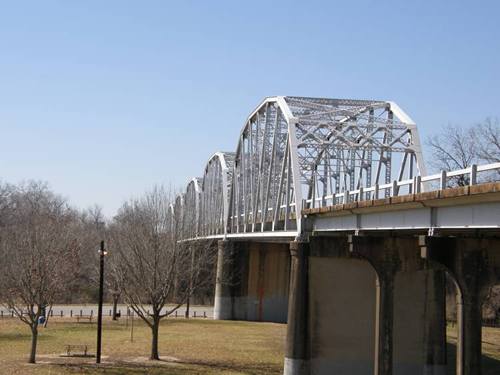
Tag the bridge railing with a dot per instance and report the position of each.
(472, 175)
(438, 181)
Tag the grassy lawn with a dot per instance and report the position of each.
(490, 349)
(194, 346)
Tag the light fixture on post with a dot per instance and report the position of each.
(102, 253)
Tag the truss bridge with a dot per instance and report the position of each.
(327, 220)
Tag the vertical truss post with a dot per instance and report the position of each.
(388, 158)
(244, 172)
(287, 192)
(271, 168)
(250, 172)
(258, 193)
(277, 206)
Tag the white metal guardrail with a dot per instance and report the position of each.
(415, 185)
(473, 175)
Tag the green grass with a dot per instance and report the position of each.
(192, 346)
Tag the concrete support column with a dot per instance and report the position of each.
(268, 282)
(384, 257)
(342, 300)
(410, 307)
(384, 323)
(474, 263)
(469, 270)
(297, 348)
(435, 322)
(223, 303)
(470, 327)
(419, 331)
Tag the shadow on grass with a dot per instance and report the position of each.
(86, 327)
(11, 336)
(165, 367)
(18, 336)
(490, 366)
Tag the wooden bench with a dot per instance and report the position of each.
(84, 317)
(77, 350)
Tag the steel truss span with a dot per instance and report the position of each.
(297, 153)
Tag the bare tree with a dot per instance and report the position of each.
(203, 268)
(491, 305)
(487, 139)
(150, 262)
(458, 147)
(38, 246)
(93, 230)
(89, 229)
(453, 148)
(200, 276)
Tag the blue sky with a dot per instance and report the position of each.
(103, 99)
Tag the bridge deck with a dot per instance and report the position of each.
(460, 208)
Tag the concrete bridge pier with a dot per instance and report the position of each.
(341, 309)
(474, 264)
(364, 305)
(419, 326)
(223, 302)
(297, 341)
(410, 327)
(231, 287)
(252, 281)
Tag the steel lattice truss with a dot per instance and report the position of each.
(192, 208)
(215, 194)
(296, 153)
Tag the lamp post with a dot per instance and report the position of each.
(102, 253)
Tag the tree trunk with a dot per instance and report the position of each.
(154, 342)
(34, 339)
(187, 308)
(47, 315)
(190, 291)
(115, 305)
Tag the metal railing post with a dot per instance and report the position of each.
(418, 184)
(442, 181)
(473, 174)
(394, 188)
